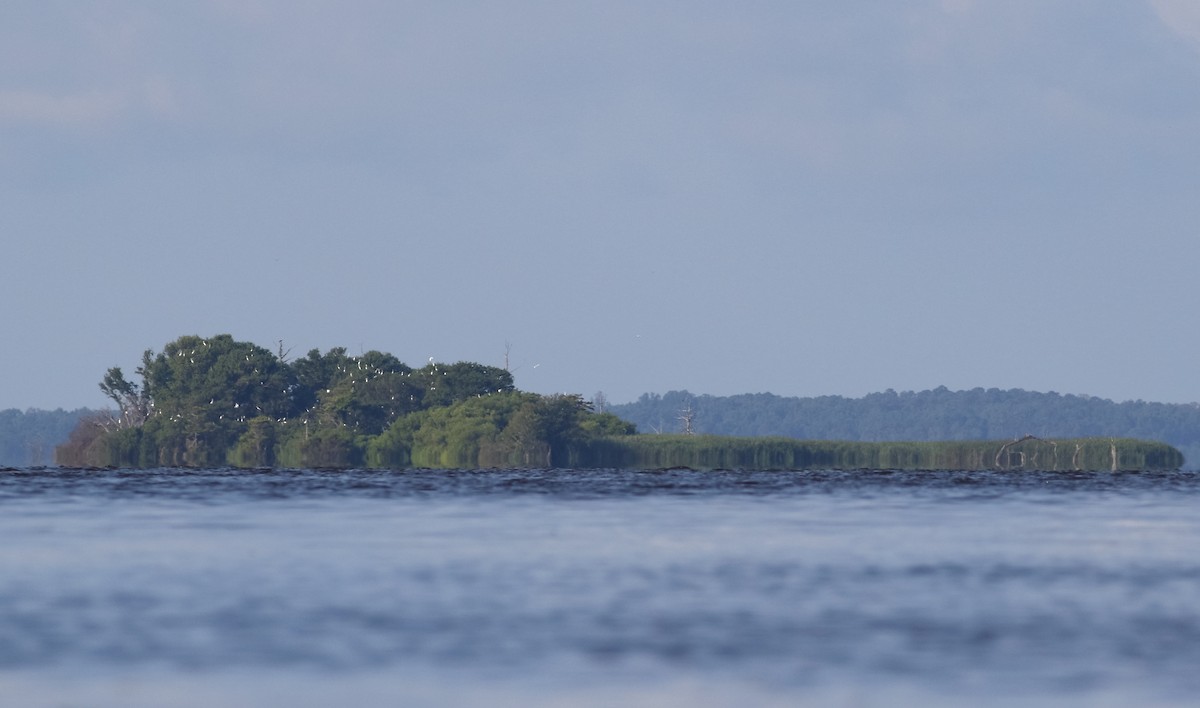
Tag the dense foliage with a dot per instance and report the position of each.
(215, 401)
(939, 414)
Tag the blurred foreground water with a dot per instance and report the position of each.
(598, 587)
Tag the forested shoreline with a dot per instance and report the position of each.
(207, 402)
(938, 414)
(28, 437)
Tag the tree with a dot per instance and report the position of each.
(606, 424)
(445, 384)
(133, 402)
(215, 401)
(364, 393)
(216, 379)
(544, 429)
(201, 392)
(314, 373)
(256, 447)
(85, 444)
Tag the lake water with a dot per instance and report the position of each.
(598, 588)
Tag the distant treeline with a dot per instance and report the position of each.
(28, 438)
(940, 414)
(205, 402)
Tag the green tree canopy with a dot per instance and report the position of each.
(215, 400)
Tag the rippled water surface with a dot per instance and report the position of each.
(572, 587)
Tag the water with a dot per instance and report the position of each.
(598, 588)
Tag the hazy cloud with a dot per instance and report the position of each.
(1182, 16)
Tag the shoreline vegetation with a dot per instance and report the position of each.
(215, 402)
(656, 451)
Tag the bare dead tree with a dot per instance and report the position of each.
(133, 402)
(687, 416)
(1005, 446)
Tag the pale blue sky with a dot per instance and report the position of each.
(727, 197)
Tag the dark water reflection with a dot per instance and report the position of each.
(599, 587)
(217, 485)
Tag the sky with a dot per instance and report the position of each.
(625, 196)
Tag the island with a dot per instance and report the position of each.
(215, 402)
